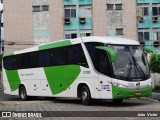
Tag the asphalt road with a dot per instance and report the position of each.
(63, 105)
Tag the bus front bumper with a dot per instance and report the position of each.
(121, 93)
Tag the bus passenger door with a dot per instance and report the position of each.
(104, 69)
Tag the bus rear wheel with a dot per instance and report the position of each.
(23, 93)
(85, 96)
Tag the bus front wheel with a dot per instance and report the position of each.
(23, 93)
(85, 96)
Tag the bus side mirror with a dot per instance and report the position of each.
(151, 51)
(109, 50)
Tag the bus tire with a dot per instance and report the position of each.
(117, 101)
(23, 93)
(85, 96)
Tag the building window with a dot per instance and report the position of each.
(156, 35)
(39, 8)
(143, 36)
(85, 34)
(85, 12)
(70, 13)
(45, 7)
(110, 6)
(71, 36)
(156, 11)
(119, 31)
(143, 11)
(36, 8)
(118, 6)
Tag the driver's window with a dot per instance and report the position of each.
(102, 62)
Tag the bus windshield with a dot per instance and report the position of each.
(130, 63)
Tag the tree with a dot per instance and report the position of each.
(154, 64)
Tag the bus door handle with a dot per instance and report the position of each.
(101, 82)
(60, 85)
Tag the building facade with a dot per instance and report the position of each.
(31, 22)
(148, 20)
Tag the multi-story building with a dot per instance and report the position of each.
(148, 12)
(29, 22)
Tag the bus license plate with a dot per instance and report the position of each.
(138, 93)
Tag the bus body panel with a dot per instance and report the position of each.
(105, 87)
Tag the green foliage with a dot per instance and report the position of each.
(154, 64)
(156, 89)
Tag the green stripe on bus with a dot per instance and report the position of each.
(8, 54)
(54, 45)
(13, 79)
(61, 77)
(124, 93)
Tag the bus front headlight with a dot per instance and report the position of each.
(121, 86)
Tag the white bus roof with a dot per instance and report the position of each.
(102, 39)
(109, 40)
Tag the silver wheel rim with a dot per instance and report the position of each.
(84, 95)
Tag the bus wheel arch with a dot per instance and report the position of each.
(22, 92)
(84, 93)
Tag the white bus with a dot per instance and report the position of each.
(87, 68)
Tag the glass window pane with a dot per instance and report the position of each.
(67, 36)
(140, 36)
(155, 12)
(73, 13)
(73, 35)
(118, 6)
(109, 6)
(146, 35)
(67, 13)
(45, 7)
(158, 10)
(119, 31)
(145, 10)
(88, 34)
(158, 35)
(36, 8)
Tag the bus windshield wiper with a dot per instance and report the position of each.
(139, 68)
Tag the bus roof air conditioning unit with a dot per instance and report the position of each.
(82, 20)
(67, 21)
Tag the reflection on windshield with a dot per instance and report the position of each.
(130, 63)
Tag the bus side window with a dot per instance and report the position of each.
(78, 56)
(8, 63)
(44, 58)
(102, 62)
(32, 60)
(20, 61)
